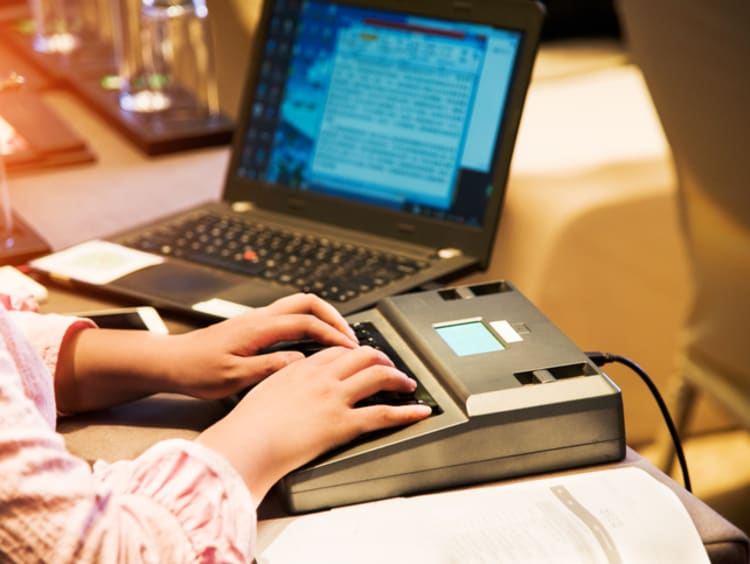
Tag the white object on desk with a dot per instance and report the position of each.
(608, 516)
(95, 262)
(221, 308)
(15, 283)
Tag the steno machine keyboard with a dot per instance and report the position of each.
(511, 396)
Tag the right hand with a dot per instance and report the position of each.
(307, 408)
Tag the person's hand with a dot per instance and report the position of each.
(222, 359)
(103, 367)
(306, 409)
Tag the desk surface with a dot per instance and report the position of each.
(124, 432)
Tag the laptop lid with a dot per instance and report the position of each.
(374, 121)
(396, 119)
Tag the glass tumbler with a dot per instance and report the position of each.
(57, 24)
(165, 58)
(63, 26)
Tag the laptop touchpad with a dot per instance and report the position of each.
(186, 284)
(175, 282)
(255, 293)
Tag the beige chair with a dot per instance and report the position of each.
(695, 57)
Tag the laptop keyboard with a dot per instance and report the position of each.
(334, 270)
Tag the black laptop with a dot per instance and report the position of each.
(370, 157)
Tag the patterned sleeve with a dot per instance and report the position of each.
(177, 502)
(47, 332)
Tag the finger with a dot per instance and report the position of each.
(378, 378)
(381, 416)
(247, 372)
(309, 303)
(257, 368)
(355, 360)
(327, 355)
(292, 327)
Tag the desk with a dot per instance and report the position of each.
(124, 432)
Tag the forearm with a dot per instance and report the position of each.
(151, 509)
(99, 368)
(257, 464)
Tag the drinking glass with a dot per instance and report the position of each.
(165, 57)
(57, 25)
(64, 26)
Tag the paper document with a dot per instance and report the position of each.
(612, 516)
(95, 262)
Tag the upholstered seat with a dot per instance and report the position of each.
(695, 57)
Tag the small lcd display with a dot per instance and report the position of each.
(469, 337)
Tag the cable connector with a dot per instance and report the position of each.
(599, 358)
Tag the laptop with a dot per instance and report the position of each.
(370, 157)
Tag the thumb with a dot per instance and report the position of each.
(261, 366)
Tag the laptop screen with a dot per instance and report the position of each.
(381, 108)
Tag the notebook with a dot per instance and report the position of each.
(379, 129)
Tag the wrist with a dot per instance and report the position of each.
(103, 367)
(253, 459)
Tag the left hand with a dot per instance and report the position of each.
(103, 367)
(222, 359)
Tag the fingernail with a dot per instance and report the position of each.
(424, 409)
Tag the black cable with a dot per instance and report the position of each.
(600, 359)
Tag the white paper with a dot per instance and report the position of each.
(95, 262)
(611, 516)
(221, 308)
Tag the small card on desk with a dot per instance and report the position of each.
(94, 262)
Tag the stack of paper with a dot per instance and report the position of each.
(620, 515)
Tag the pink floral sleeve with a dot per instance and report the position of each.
(177, 502)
